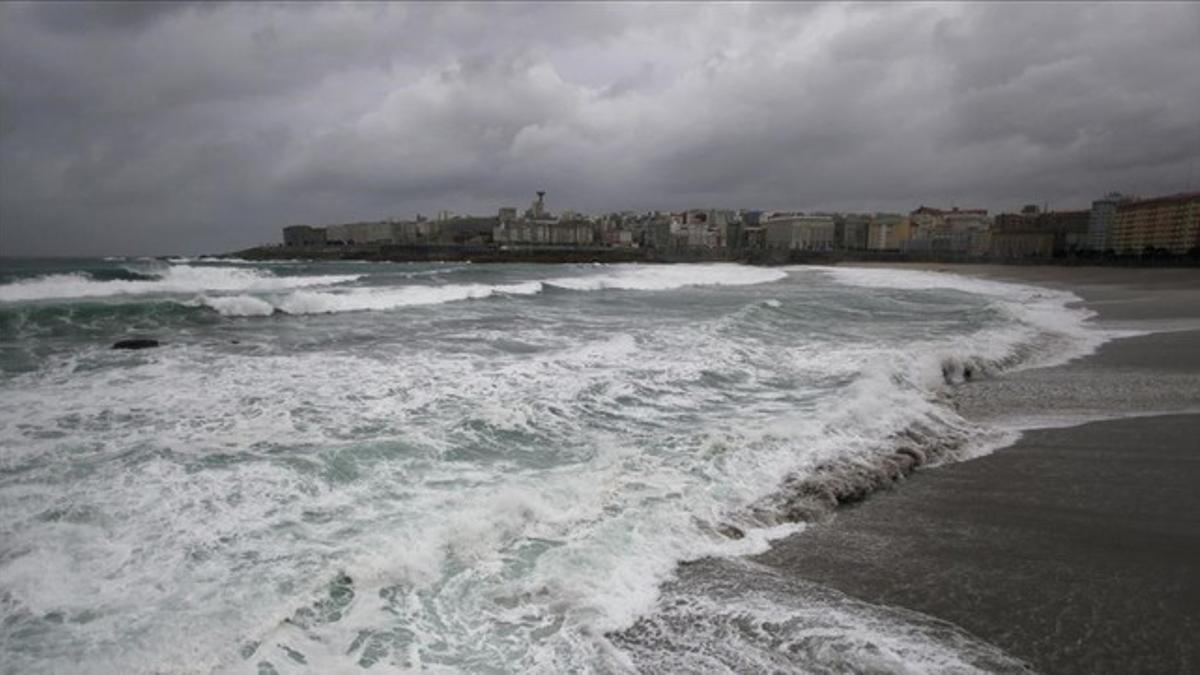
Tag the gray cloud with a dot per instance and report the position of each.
(153, 128)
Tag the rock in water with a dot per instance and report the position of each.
(135, 343)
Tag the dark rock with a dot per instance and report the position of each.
(731, 531)
(918, 456)
(900, 465)
(135, 343)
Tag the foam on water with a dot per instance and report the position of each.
(481, 490)
(1036, 312)
(617, 277)
(361, 299)
(667, 277)
(733, 615)
(174, 279)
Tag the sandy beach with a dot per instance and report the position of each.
(1076, 549)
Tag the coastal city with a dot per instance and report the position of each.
(542, 336)
(1115, 226)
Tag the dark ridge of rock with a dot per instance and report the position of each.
(918, 456)
(731, 531)
(136, 343)
(816, 495)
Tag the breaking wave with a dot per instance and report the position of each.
(633, 277)
(669, 277)
(361, 299)
(172, 279)
(518, 507)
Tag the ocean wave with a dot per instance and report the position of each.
(93, 319)
(212, 260)
(1063, 325)
(669, 277)
(361, 299)
(652, 278)
(121, 274)
(510, 508)
(897, 412)
(173, 279)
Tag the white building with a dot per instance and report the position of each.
(795, 231)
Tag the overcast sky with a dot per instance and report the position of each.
(180, 128)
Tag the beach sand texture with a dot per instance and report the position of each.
(1077, 549)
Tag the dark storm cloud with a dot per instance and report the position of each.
(147, 128)
(74, 17)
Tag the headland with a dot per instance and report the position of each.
(1116, 230)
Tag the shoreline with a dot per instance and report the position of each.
(525, 254)
(1071, 548)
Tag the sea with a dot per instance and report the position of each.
(391, 467)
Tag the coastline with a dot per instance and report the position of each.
(1074, 548)
(599, 253)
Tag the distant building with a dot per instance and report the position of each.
(359, 234)
(303, 235)
(698, 229)
(537, 210)
(539, 227)
(959, 231)
(753, 237)
(1017, 235)
(1032, 234)
(414, 232)
(794, 231)
(1170, 223)
(618, 237)
(888, 232)
(475, 230)
(751, 217)
(854, 231)
(656, 233)
(527, 233)
(1070, 229)
(1102, 218)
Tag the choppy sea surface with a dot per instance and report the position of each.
(332, 467)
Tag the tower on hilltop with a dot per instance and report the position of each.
(539, 204)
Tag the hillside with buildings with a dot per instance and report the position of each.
(1116, 228)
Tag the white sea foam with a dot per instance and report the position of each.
(209, 260)
(496, 506)
(361, 299)
(174, 279)
(237, 305)
(623, 277)
(668, 277)
(742, 617)
(1057, 315)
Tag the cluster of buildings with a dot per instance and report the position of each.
(1114, 225)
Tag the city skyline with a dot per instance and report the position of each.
(137, 128)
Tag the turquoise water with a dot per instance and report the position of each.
(329, 467)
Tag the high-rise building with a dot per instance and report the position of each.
(1100, 222)
(1170, 223)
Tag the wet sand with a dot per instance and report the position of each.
(1076, 549)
